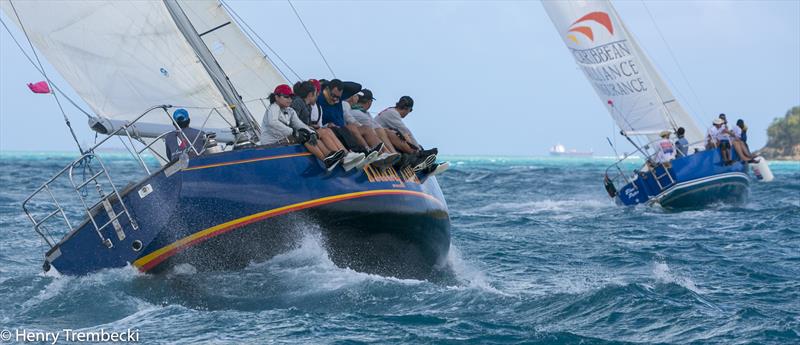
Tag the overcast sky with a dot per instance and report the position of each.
(490, 77)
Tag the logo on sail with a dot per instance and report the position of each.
(601, 18)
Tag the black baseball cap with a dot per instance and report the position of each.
(365, 94)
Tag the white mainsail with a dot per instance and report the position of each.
(248, 69)
(123, 57)
(626, 81)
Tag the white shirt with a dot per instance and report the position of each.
(364, 118)
(316, 118)
(666, 151)
(718, 134)
(348, 117)
(737, 132)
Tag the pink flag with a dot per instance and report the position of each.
(40, 87)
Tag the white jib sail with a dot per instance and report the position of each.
(123, 57)
(625, 80)
(251, 73)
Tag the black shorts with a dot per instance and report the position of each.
(344, 135)
(725, 144)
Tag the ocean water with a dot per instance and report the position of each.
(539, 255)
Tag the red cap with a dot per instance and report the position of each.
(283, 89)
(316, 83)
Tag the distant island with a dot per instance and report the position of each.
(783, 137)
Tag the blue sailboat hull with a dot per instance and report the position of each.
(229, 209)
(731, 188)
(694, 181)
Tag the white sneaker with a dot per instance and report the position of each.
(351, 160)
(386, 159)
(371, 157)
(440, 168)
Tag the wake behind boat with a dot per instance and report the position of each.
(217, 206)
(646, 111)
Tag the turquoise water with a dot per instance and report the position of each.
(540, 255)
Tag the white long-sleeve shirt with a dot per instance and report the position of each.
(279, 124)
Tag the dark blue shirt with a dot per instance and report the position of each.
(331, 112)
(176, 144)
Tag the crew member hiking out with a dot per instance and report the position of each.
(282, 126)
(392, 119)
(303, 102)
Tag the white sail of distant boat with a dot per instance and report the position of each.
(626, 81)
(123, 57)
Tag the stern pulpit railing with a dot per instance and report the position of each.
(95, 175)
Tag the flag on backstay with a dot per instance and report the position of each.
(40, 87)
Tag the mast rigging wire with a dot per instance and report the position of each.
(25, 54)
(312, 38)
(41, 69)
(242, 23)
(672, 55)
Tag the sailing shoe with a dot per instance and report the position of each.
(386, 160)
(439, 168)
(351, 160)
(333, 160)
(425, 153)
(428, 161)
(371, 157)
(378, 148)
(404, 161)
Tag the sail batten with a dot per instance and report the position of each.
(622, 75)
(247, 68)
(120, 57)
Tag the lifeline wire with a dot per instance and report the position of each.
(25, 54)
(312, 38)
(671, 54)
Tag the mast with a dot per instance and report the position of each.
(244, 120)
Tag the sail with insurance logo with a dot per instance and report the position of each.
(630, 88)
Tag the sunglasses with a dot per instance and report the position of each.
(285, 96)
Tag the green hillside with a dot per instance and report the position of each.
(784, 137)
